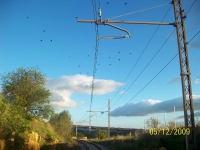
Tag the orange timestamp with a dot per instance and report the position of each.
(169, 131)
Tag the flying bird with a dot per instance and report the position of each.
(27, 17)
(51, 40)
(125, 3)
(118, 59)
(41, 40)
(107, 2)
(44, 31)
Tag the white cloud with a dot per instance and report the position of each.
(63, 87)
(197, 81)
(150, 106)
(197, 114)
(122, 92)
(175, 80)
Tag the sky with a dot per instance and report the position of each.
(129, 71)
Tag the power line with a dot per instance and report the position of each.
(96, 51)
(191, 7)
(146, 84)
(142, 53)
(156, 53)
(170, 35)
(139, 11)
(194, 36)
(145, 66)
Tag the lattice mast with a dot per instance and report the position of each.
(185, 73)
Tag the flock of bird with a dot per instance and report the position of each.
(88, 55)
(43, 31)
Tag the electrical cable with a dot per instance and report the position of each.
(146, 84)
(191, 7)
(138, 11)
(142, 53)
(96, 53)
(145, 66)
(194, 36)
(154, 56)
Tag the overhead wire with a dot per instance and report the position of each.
(194, 36)
(96, 51)
(145, 67)
(140, 55)
(139, 11)
(96, 54)
(191, 7)
(162, 68)
(157, 52)
(146, 84)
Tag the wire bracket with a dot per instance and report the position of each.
(115, 36)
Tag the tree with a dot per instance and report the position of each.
(62, 124)
(101, 134)
(12, 120)
(25, 88)
(152, 123)
(171, 124)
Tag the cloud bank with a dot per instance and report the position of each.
(175, 80)
(63, 87)
(197, 81)
(150, 106)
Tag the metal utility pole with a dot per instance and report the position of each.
(174, 117)
(108, 118)
(184, 64)
(165, 118)
(101, 112)
(76, 130)
(185, 73)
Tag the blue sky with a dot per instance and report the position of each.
(46, 34)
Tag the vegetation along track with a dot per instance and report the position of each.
(90, 146)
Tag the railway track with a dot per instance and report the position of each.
(90, 146)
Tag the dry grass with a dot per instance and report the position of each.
(43, 129)
(2, 144)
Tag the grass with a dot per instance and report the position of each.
(72, 145)
(43, 129)
(145, 142)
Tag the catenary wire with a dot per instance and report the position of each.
(96, 53)
(145, 67)
(138, 11)
(164, 43)
(146, 84)
(174, 30)
(194, 36)
(191, 7)
(141, 54)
